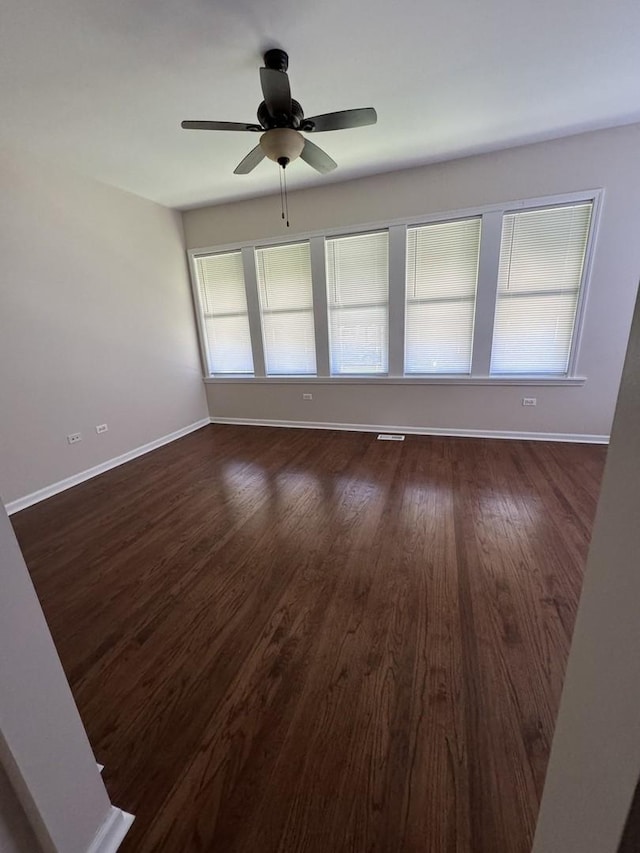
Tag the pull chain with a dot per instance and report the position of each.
(286, 198)
(280, 171)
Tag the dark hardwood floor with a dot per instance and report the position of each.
(289, 640)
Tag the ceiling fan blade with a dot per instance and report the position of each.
(342, 120)
(276, 91)
(317, 158)
(255, 156)
(219, 125)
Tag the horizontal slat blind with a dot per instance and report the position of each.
(542, 256)
(286, 307)
(358, 303)
(223, 301)
(442, 275)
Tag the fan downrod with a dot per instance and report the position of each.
(276, 59)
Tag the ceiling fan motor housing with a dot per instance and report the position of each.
(293, 119)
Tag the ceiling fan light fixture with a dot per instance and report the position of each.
(282, 144)
(280, 118)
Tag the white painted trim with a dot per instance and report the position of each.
(410, 430)
(486, 292)
(320, 307)
(75, 479)
(254, 314)
(585, 283)
(397, 298)
(112, 832)
(199, 310)
(566, 381)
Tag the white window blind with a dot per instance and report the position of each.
(542, 256)
(442, 275)
(358, 303)
(286, 307)
(223, 302)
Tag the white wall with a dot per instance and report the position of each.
(595, 757)
(606, 159)
(16, 835)
(44, 749)
(96, 324)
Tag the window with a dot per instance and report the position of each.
(542, 255)
(225, 320)
(286, 307)
(442, 273)
(487, 295)
(358, 303)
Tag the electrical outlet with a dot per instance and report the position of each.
(307, 396)
(74, 437)
(529, 401)
(101, 428)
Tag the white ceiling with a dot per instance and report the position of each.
(101, 85)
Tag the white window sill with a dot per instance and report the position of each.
(565, 381)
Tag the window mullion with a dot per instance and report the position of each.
(253, 307)
(488, 263)
(320, 313)
(397, 286)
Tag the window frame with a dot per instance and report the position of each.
(585, 278)
(476, 296)
(345, 235)
(264, 311)
(201, 314)
(491, 230)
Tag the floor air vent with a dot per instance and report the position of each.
(390, 436)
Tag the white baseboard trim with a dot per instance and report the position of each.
(75, 479)
(408, 430)
(112, 832)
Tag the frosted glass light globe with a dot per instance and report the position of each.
(282, 143)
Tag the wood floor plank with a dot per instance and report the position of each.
(293, 640)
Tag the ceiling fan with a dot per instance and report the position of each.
(282, 122)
